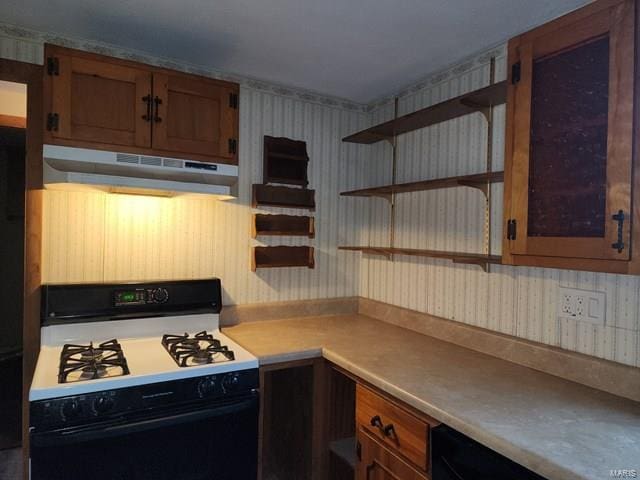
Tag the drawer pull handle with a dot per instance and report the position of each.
(376, 421)
(389, 430)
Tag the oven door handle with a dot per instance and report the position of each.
(96, 433)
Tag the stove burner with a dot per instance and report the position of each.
(86, 362)
(200, 349)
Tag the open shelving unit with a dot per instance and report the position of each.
(479, 259)
(480, 101)
(478, 181)
(471, 102)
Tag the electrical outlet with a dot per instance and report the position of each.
(582, 305)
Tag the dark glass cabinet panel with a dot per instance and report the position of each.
(568, 145)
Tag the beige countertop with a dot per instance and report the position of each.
(559, 429)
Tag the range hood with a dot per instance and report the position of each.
(70, 168)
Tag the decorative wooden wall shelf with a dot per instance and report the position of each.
(480, 259)
(471, 102)
(283, 225)
(285, 161)
(282, 256)
(479, 181)
(286, 197)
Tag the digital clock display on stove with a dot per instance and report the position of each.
(130, 297)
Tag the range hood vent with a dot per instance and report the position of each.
(70, 168)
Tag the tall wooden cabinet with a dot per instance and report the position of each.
(569, 148)
(94, 101)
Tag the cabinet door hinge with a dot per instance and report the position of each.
(53, 66)
(511, 229)
(233, 146)
(515, 72)
(233, 100)
(53, 120)
(359, 450)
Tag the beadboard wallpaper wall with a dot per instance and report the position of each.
(516, 301)
(89, 236)
(103, 237)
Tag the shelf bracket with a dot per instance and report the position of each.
(480, 263)
(482, 186)
(480, 107)
(385, 196)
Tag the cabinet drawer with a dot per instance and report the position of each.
(393, 426)
(379, 463)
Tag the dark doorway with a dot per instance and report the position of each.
(12, 188)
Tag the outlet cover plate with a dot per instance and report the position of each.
(582, 305)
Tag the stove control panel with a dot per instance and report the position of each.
(141, 296)
(99, 406)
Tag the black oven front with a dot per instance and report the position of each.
(185, 429)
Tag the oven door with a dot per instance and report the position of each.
(216, 441)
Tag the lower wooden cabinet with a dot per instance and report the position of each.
(376, 462)
(393, 440)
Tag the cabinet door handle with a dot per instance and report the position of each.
(376, 421)
(619, 217)
(157, 101)
(389, 430)
(147, 100)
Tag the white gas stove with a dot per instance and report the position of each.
(141, 373)
(140, 340)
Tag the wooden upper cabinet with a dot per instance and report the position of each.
(195, 115)
(569, 145)
(100, 102)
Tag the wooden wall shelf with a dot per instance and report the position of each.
(285, 197)
(293, 225)
(285, 161)
(479, 181)
(282, 256)
(471, 102)
(480, 259)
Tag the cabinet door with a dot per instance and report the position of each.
(378, 463)
(195, 116)
(100, 102)
(571, 134)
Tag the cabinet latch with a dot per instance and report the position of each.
(515, 72)
(53, 66)
(619, 217)
(52, 122)
(233, 145)
(511, 229)
(233, 100)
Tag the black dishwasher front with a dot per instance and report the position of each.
(456, 457)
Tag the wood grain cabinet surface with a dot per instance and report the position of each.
(93, 101)
(393, 442)
(569, 146)
(379, 463)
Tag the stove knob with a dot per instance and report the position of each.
(231, 382)
(160, 295)
(102, 404)
(70, 410)
(206, 386)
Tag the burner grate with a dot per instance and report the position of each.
(86, 362)
(201, 349)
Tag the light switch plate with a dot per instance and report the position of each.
(582, 305)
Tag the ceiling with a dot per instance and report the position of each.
(354, 49)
